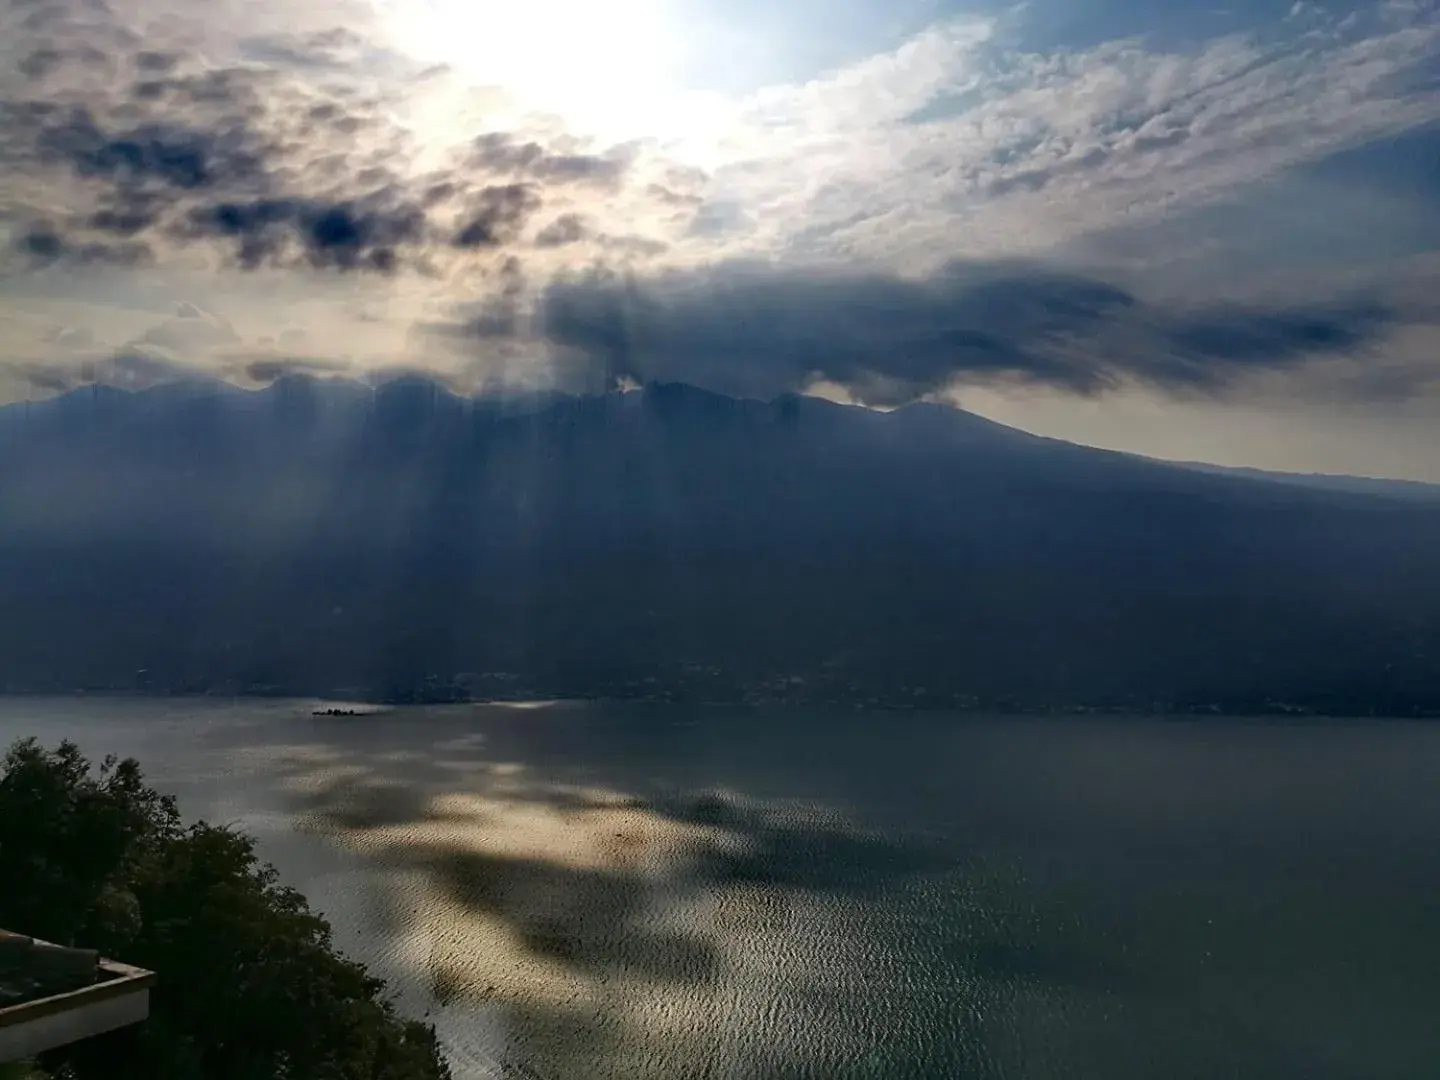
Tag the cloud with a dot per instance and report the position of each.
(496, 215)
(279, 151)
(962, 139)
(42, 244)
(192, 331)
(208, 156)
(894, 226)
(130, 368)
(1272, 337)
(566, 229)
(72, 337)
(496, 318)
(193, 344)
(502, 153)
(46, 378)
(336, 49)
(148, 156)
(289, 149)
(761, 330)
(369, 232)
(272, 369)
(140, 366)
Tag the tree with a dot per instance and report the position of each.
(249, 984)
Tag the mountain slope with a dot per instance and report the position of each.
(320, 535)
(1360, 485)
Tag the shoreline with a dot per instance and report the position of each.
(355, 707)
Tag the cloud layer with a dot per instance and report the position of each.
(960, 209)
(280, 153)
(754, 330)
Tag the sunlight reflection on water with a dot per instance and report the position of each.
(628, 892)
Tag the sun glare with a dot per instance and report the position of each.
(607, 70)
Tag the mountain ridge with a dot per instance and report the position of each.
(355, 391)
(315, 537)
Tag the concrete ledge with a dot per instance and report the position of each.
(31, 969)
(120, 997)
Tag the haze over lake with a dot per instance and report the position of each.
(626, 891)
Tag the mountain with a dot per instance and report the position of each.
(320, 535)
(1364, 485)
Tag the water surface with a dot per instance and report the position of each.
(628, 891)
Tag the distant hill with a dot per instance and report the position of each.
(1363, 485)
(320, 535)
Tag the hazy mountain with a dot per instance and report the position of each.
(323, 534)
(1364, 485)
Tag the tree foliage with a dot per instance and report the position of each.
(249, 984)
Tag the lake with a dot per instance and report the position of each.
(659, 891)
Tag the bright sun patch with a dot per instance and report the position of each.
(608, 70)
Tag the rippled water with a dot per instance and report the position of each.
(638, 892)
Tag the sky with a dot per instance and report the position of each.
(1197, 230)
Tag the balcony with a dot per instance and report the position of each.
(51, 996)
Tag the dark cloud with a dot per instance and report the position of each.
(44, 244)
(336, 119)
(150, 154)
(499, 152)
(1159, 139)
(215, 163)
(41, 62)
(58, 53)
(272, 369)
(155, 62)
(124, 217)
(572, 228)
(496, 215)
(1031, 180)
(1268, 337)
(230, 97)
(141, 171)
(364, 234)
(41, 242)
(495, 317)
(566, 229)
(760, 330)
